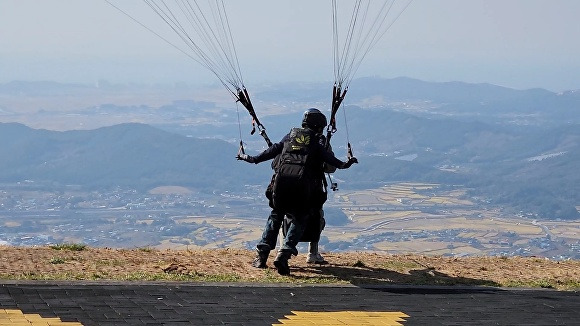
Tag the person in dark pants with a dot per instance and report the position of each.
(317, 213)
(299, 152)
(316, 221)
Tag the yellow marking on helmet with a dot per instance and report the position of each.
(369, 318)
(16, 317)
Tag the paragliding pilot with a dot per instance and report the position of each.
(295, 186)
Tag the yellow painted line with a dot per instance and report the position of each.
(15, 317)
(362, 318)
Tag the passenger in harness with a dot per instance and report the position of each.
(295, 185)
(316, 222)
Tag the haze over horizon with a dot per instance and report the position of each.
(518, 44)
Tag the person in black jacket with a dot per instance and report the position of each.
(313, 124)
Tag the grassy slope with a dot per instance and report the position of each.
(77, 262)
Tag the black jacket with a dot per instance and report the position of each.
(318, 149)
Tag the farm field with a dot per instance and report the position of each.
(412, 218)
(428, 219)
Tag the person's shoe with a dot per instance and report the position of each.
(316, 259)
(261, 259)
(281, 263)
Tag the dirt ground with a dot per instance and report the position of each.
(233, 265)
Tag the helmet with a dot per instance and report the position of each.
(314, 119)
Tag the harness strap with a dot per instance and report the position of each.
(244, 98)
(338, 95)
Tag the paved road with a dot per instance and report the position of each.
(111, 303)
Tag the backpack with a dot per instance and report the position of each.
(293, 186)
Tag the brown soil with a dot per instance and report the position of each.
(233, 265)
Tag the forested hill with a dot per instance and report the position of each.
(522, 170)
(132, 155)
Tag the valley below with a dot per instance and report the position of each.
(398, 218)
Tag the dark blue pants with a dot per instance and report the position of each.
(272, 228)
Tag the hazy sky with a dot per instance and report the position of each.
(514, 43)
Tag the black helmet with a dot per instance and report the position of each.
(314, 119)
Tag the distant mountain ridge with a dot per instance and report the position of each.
(132, 155)
(517, 148)
(143, 157)
(528, 168)
(487, 101)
